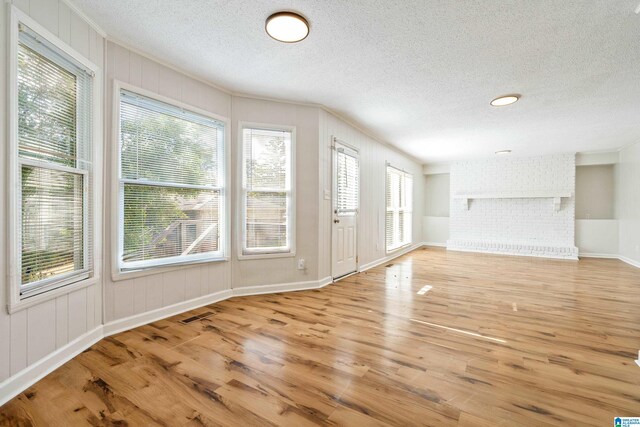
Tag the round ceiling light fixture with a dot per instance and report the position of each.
(503, 152)
(501, 101)
(287, 27)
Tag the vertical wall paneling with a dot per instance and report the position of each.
(134, 296)
(64, 23)
(373, 159)
(18, 343)
(77, 313)
(5, 318)
(41, 324)
(32, 333)
(62, 321)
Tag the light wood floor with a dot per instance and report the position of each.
(495, 341)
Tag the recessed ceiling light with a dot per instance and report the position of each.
(503, 152)
(287, 27)
(505, 100)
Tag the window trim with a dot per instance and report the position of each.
(386, 186)
(241, 216)
(15, 301)
(118, 274)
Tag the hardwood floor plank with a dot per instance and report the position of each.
(437, 338)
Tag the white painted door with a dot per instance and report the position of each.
(346, 201)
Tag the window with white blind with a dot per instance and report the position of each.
(52, 165)
(171, 184)
(399, 208)
(267, 191)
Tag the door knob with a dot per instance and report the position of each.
(335, 221)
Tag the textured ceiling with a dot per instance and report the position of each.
(419, 74)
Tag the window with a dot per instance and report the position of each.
(171, 184)
(347, 182)
(52, 165)
(267, 206)
(399, 208)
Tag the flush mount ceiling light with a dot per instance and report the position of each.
(501, 101)
(503, 152)
(287, 27)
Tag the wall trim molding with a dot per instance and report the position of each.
(542, 251)
(598, 255)
(24, 379)
(388, 258)
(629, 261)
(622, 258)
(435, 244)
(120, 325)
(281, 287)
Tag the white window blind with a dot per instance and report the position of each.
(348, 182)
(54, 166)
(172, 184)
(266, 191)
(399, 208)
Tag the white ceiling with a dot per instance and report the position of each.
(419, 74)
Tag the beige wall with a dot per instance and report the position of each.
(595, 192)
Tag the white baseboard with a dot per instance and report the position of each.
(388, 258)
(24, 379)
(136, 320)
(612, 256)
(596, 255)
(629, 261)
(282, 287)
(435, 244)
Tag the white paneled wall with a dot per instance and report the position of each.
(371, 220)
(135, 296)
(519, 226)
(28, 335)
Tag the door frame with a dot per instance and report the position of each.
(334, 194)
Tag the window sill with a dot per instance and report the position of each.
(25, 303)
(119, 275)
(246, 257)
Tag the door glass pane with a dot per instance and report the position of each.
(347, 184)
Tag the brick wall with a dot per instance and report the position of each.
(516, 226)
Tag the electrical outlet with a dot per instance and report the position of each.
(301, 264)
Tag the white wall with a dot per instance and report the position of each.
(135, 296)
(435, 221)
(371, 220)
(518, 226)
(628, 203)
(30, 334)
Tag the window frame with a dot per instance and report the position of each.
(405, 210)
(291, 213)
(92, 243)
(117, 214)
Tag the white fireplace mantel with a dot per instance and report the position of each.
(555, 195)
